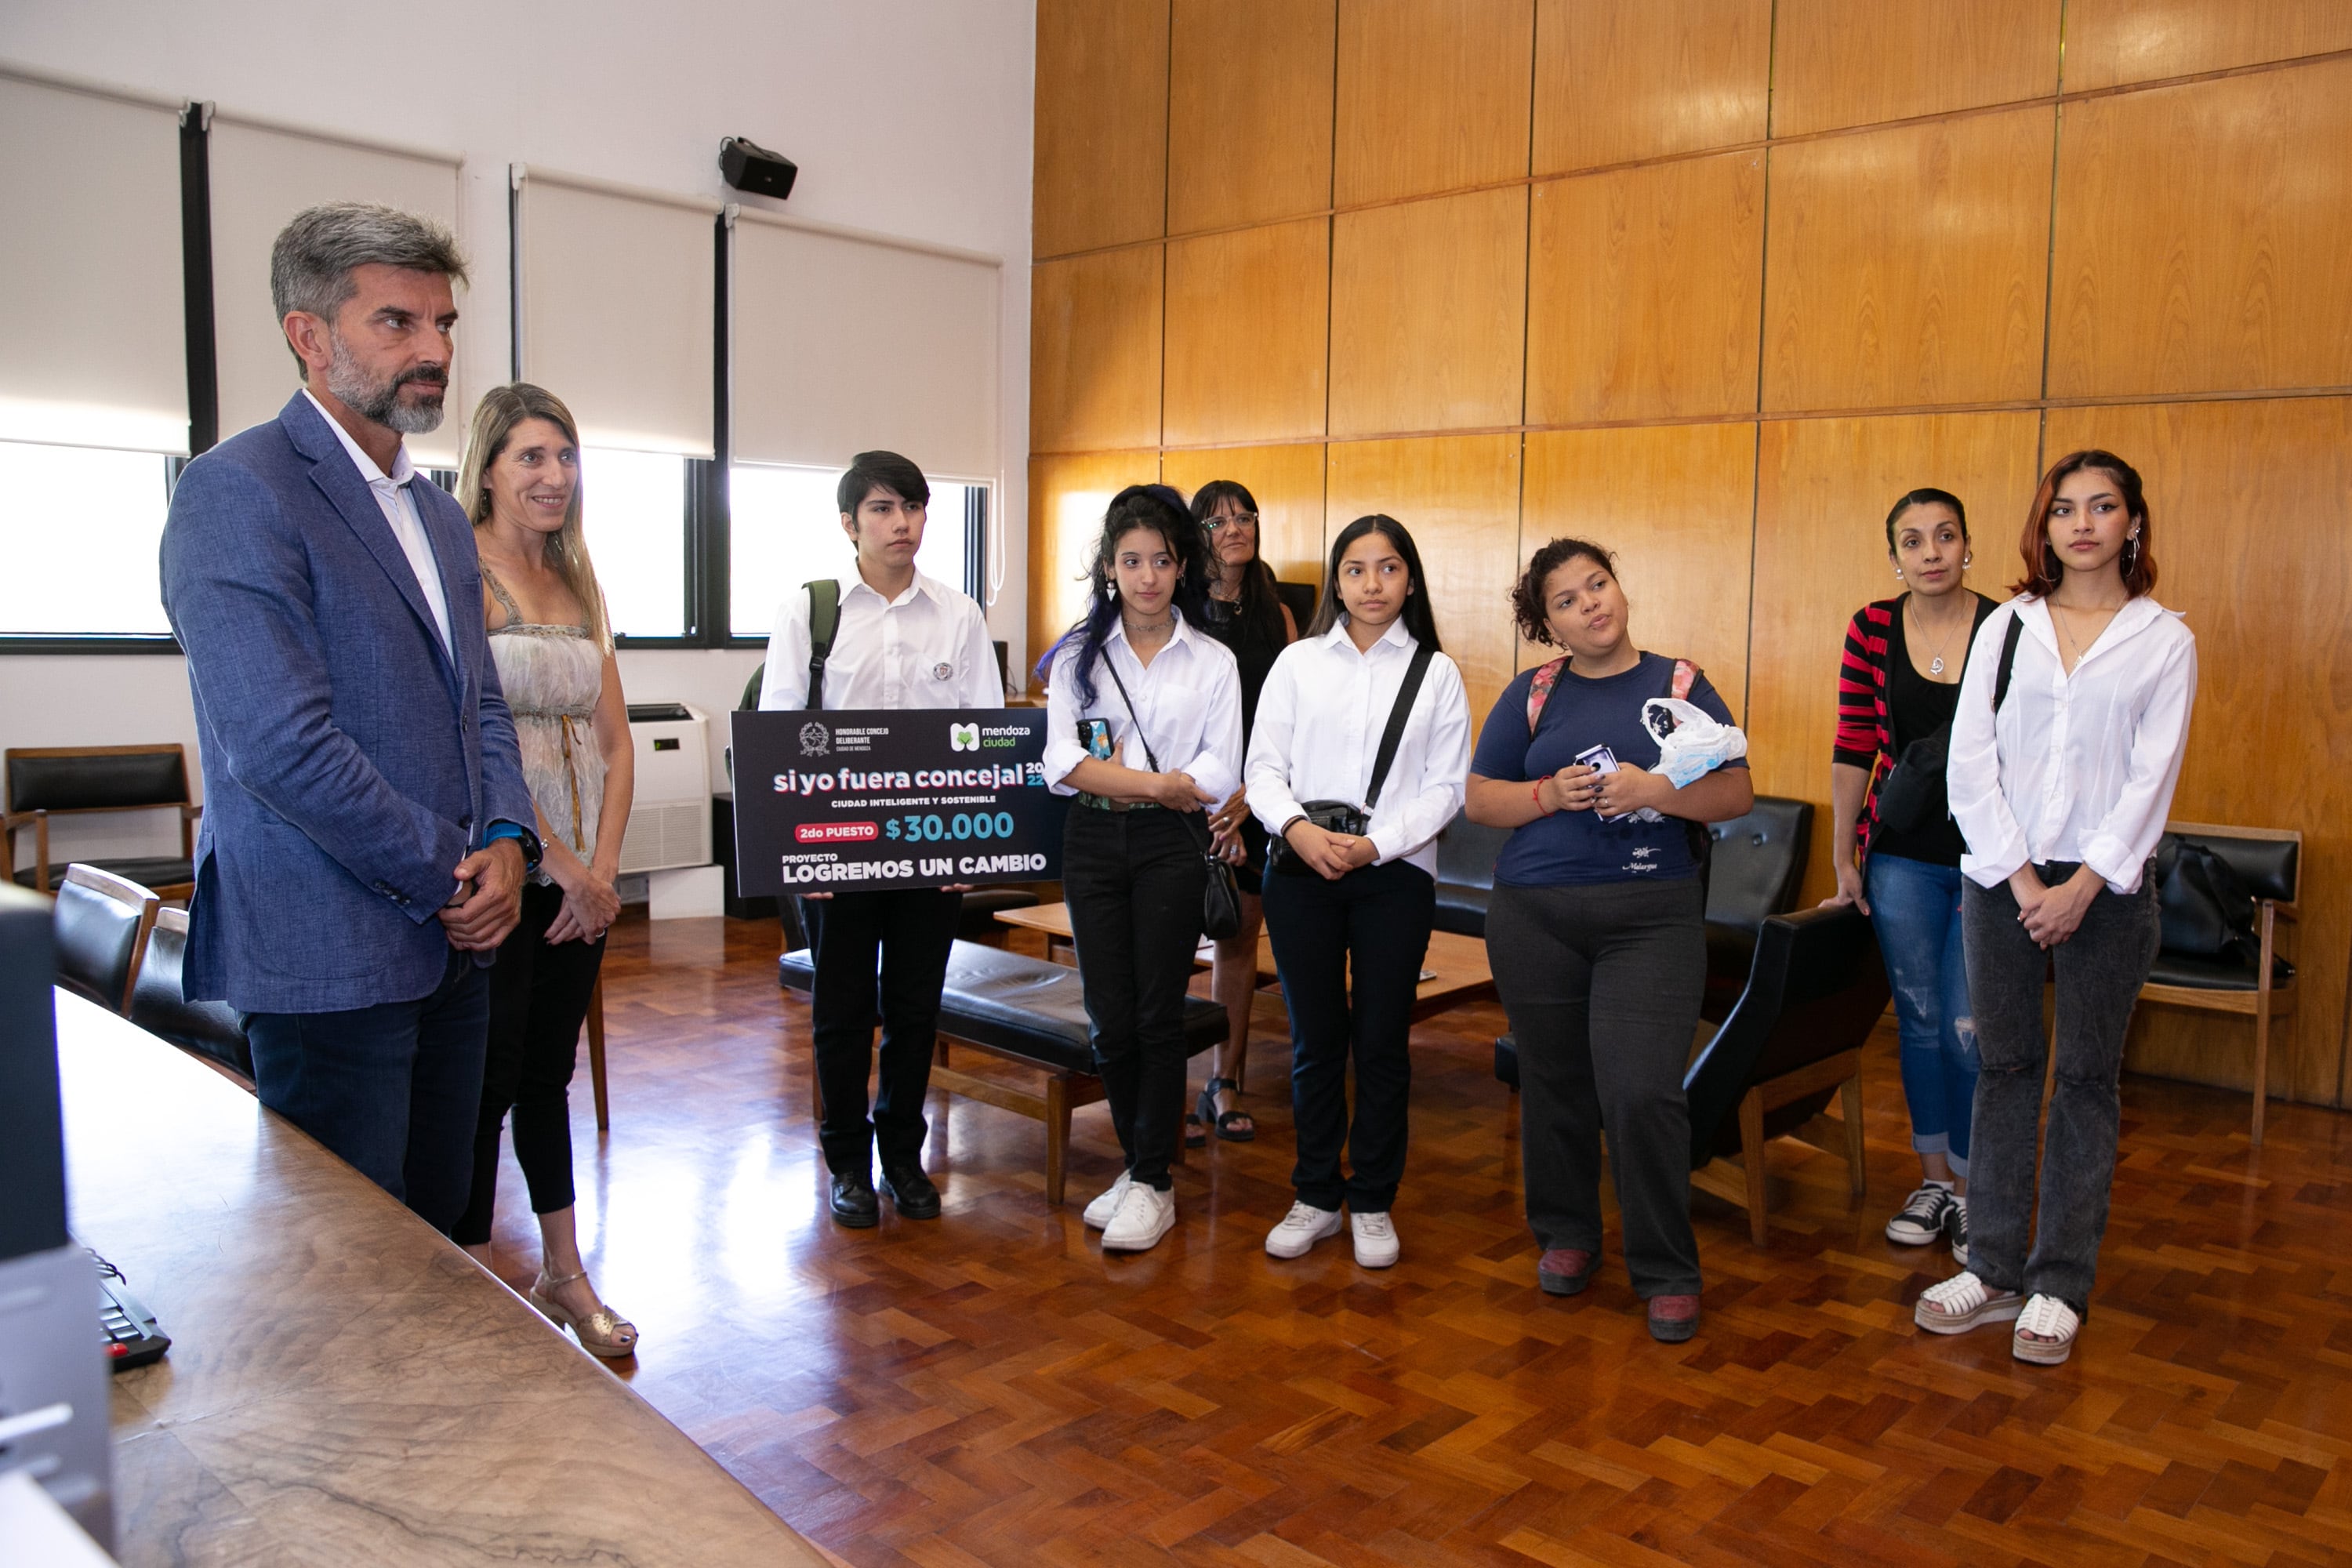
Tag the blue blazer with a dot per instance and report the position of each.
(350, 762)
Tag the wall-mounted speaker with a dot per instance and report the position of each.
(748, 166)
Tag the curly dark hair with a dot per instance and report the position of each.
(1527, 594)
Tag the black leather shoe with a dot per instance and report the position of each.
(911, 1193)
(853, 1201)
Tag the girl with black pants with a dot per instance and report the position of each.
(1596, 929)
(1144, 726)
(2061, 777)
(1356, 896)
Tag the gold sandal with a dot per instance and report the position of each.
(601, 1333)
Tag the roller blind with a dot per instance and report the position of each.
(615, 307)
(840, 343)
(93, 349)
(262, 175)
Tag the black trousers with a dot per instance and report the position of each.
(1377, 918)
(885, 952)
(538, 999)
(393, 1088)
(1133, 879)
(1602, 986)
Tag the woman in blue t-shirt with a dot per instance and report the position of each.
(1596, 929)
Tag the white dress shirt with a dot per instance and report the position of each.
(399, 508)
(927, 648)
(2075, 767)
(1320, 717)
(1189, 703)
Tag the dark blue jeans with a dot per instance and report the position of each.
(2099, 971)
(1914, 906)
(1374, 921)
(394, 1088)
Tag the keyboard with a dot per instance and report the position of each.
(127, 1328)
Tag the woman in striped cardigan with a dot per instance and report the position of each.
(1898, 685)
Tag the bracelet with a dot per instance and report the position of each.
(1536, 795)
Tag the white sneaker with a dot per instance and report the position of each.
(1376, 1239)
(1300, 1229)
(1145, 1215)
(1099, 1211)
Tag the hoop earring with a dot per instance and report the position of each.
(2131, 553)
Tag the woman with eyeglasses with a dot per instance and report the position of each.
(1247, 614)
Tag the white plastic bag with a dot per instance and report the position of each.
(1690, 744)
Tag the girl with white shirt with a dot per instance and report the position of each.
(2072, 719)
(1356, 888)
(1144, 726)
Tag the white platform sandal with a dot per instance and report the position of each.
(2045, 1331)
(1963, 1301)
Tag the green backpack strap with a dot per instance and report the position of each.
(825, 620)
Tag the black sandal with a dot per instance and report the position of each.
(1195, 1135)
(1226, 1121)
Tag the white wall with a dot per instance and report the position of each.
(907, 117)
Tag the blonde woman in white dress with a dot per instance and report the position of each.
(554, 655)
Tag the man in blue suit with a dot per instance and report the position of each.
(366, 829)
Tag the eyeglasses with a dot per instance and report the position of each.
(1216, 524)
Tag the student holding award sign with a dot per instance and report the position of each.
(880, 635)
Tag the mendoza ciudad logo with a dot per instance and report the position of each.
(963, 737)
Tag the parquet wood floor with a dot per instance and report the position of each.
(990, 1389)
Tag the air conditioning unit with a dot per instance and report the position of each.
(669, 817)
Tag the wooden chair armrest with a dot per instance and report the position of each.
(12, 820)
(190, 811)
(2284, 911)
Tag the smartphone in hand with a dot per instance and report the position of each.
(1093, 734)
(1601, 760)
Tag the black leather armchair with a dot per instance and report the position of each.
(1815, 990)
(212, 1030)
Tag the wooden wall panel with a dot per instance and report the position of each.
(1676, 503)
(1908, 266)
(1860, 62)
(2204, 237)
(1249, 114)
(1432, 96)
(1067, 498)
(1094, 351)
(1822, 489)
(1644, 292)
(1248, 315)
(1622, 80)
(2248, 502)
(2113, 41)
(1429, 314)
(1459, 496)
(1287, 482)
(1101, 166)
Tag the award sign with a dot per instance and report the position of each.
(856, 800)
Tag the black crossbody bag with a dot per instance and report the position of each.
(1343, 817)
(1911, 793)
(1221, 896)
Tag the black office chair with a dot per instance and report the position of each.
(45, 782)
(1757, 866)
(1815, 991)
(1465, 874)
(102, 922)
(212, 1030)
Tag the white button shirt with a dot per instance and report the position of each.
(1320, 717)
(927, 648)
(2075, 767)
(1189, 703)
(399, 508)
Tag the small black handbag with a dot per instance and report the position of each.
(1220, 895)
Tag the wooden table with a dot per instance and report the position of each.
(1456, 963)
(345, 1385)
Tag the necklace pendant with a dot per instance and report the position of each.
(1935, 665)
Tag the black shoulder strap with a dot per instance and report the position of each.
(2008, 660)
(1392, 737)
(825, 620)
(1149, 756)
